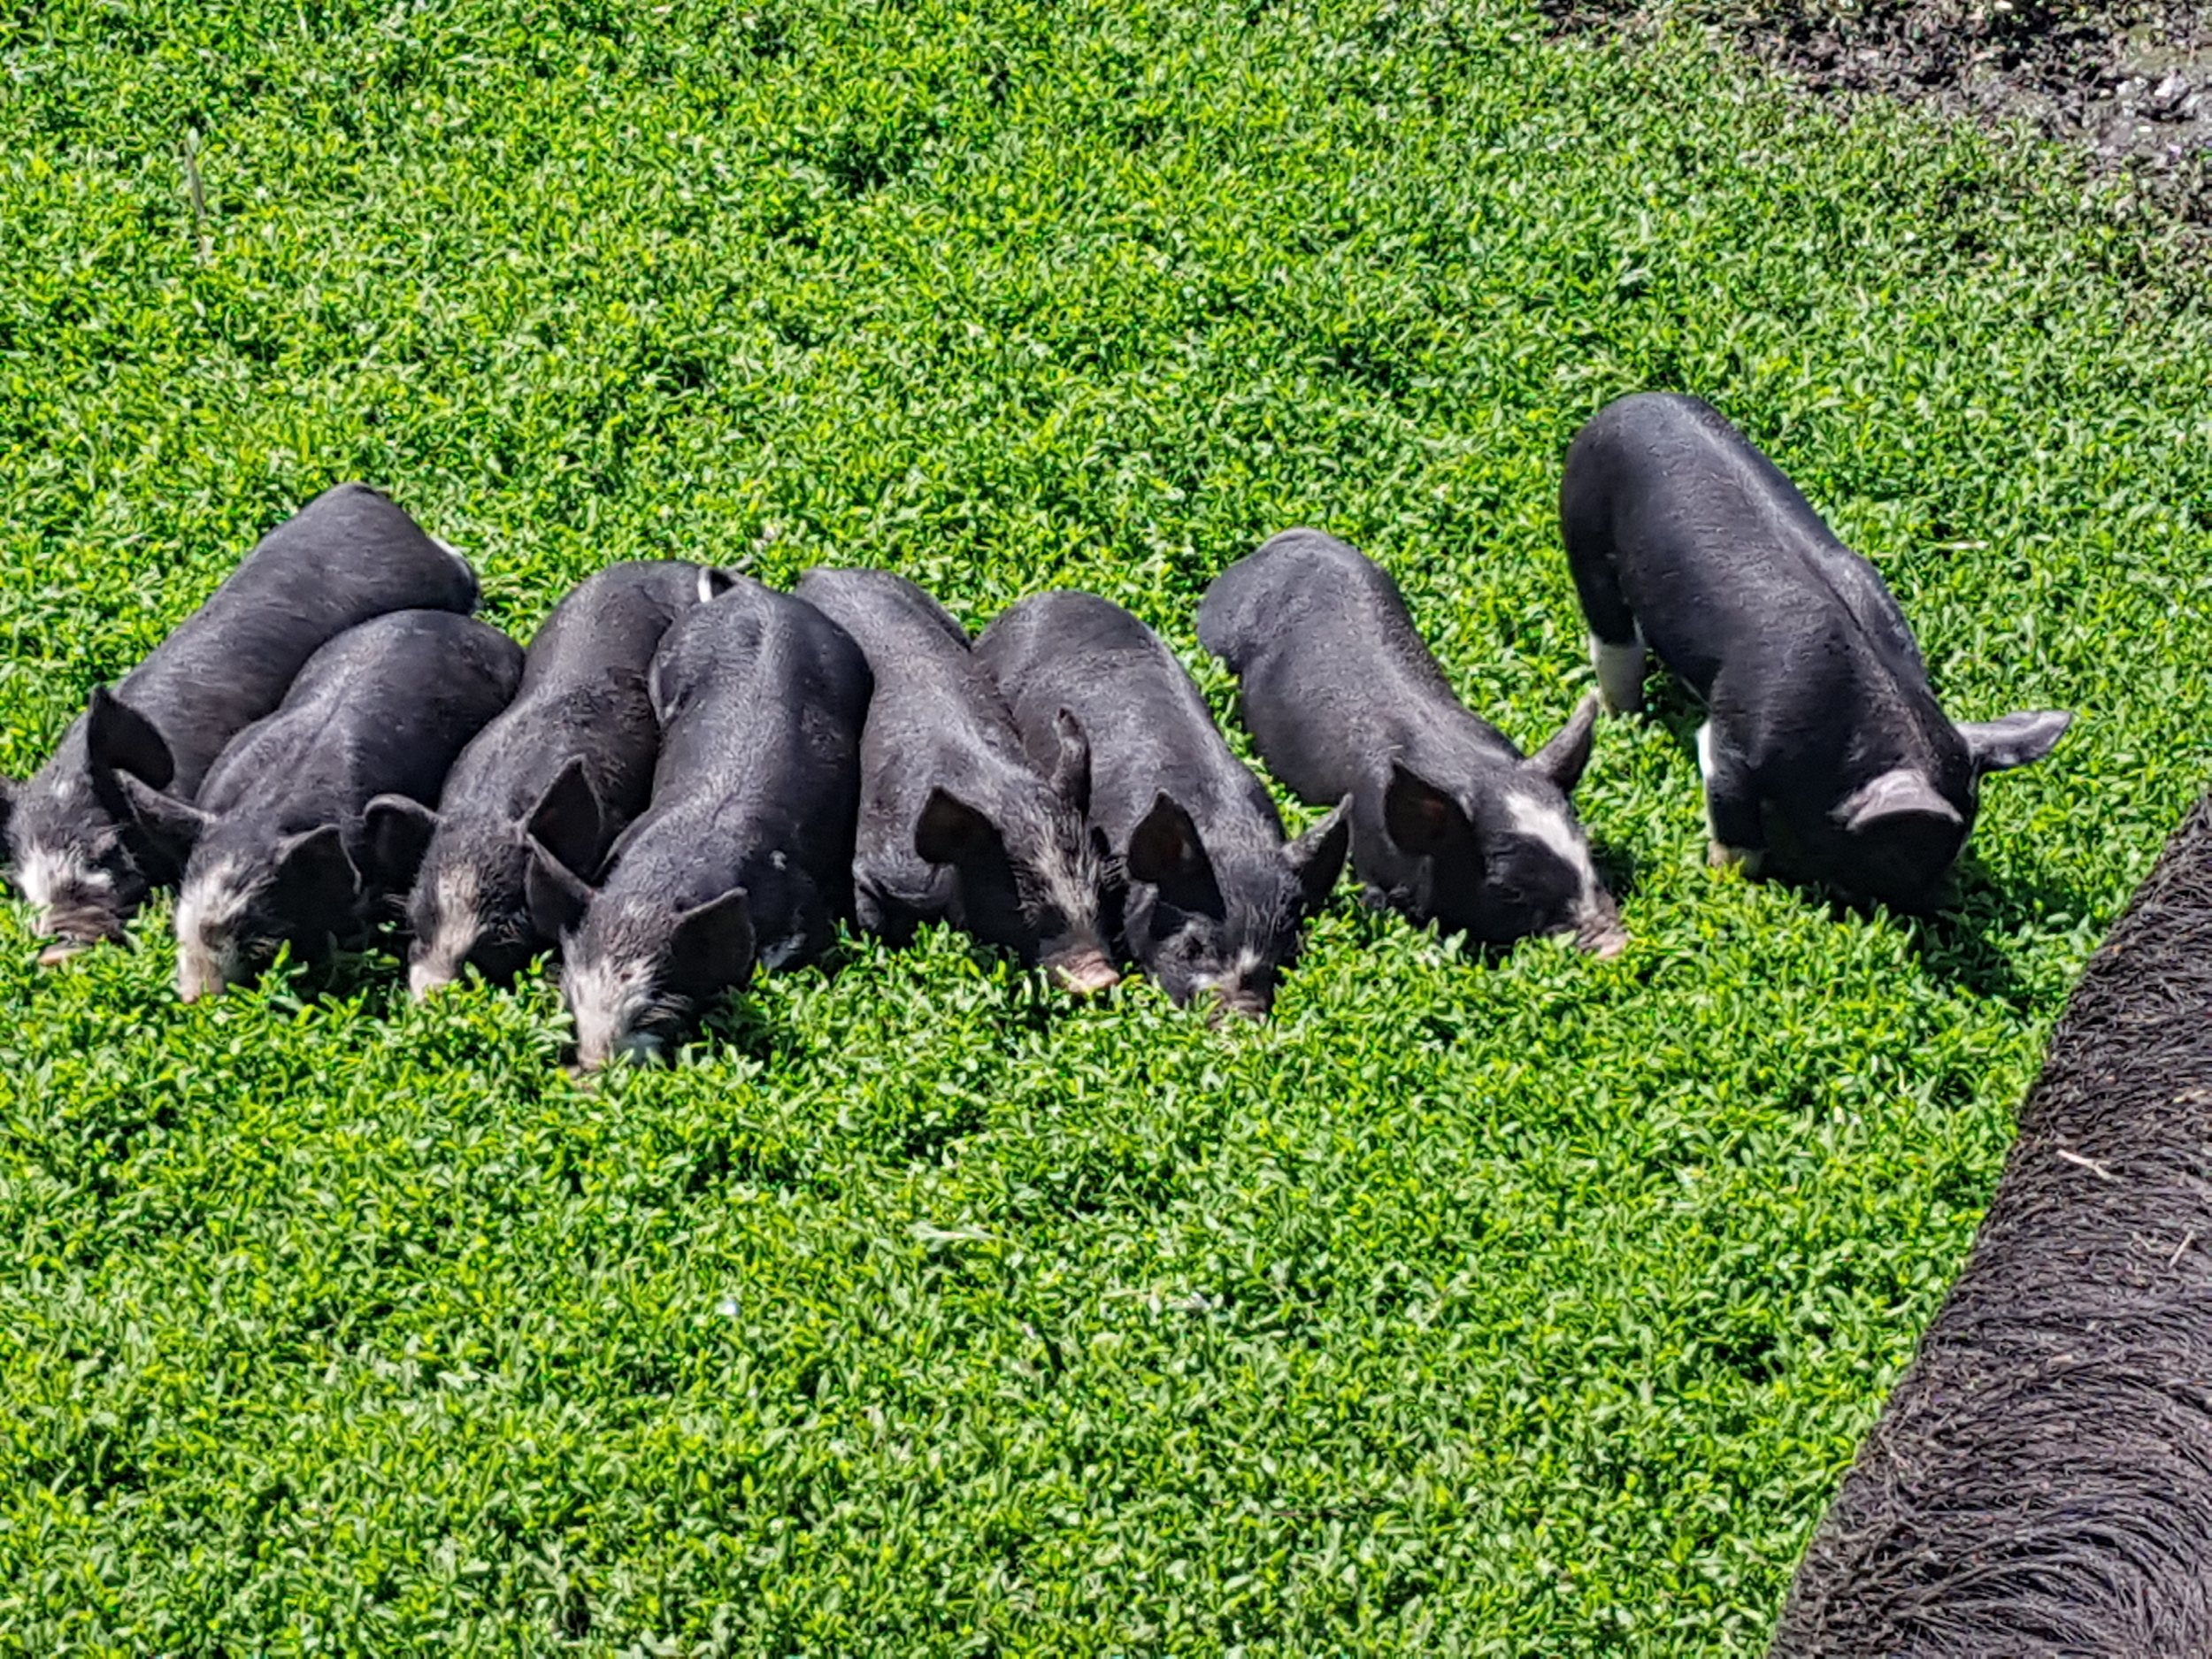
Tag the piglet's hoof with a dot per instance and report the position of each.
(1751, 861)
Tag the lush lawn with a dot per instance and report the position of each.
(1526, 1307)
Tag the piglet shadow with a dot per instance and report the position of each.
(1963, 940)
(343, 972)
(1618, 867)
(1671, 706)
(1381, 924)
(754, 1026)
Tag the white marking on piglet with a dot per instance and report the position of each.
(53, 875)
(1620, 671)
(1541, 821)
(456, 892)
(210, 955)
(1594, 917)
(1751, 860)
(428, 976)
(214, 897)
(1066, 890)
(784, 950)
(454, 897)
(606, 999)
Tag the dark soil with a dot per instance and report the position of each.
(2130, 81)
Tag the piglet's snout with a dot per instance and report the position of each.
(74, 930)
(1084, 972)
(425, 979)
(196, 979)
(1601, 935)
(1241, 999)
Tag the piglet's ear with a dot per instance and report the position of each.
(949, 831)
(1317, 858)
(567, 820)
(1422, 819)
(714, 581)
(118, 738)
(1892, 797)
(556, 895)
(174, 827)
(397, 830)
(312, 870)
(1164, 848)
(2019, 739)
(1563, 759)
(713, 944)
(1071, 768)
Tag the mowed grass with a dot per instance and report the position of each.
(1524, 1306)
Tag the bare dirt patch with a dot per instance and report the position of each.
(2129, 81)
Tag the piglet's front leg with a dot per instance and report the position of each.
(1732, 826)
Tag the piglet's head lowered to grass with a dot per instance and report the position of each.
(569, 761)
(1224, 922)
(1896, 837)
(1826, 745)
(1451, 823)
(246, 891)
(635, 970)
(240, 903)
(292, 840)
(1507, 860)
(1030, 865)
(249, 890)
(470, 902)
(79, 857)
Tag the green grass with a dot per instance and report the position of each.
(1521, 1308)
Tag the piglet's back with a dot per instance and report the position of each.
(888, 617)
(619, 615)
(582, 696)
(1075, 650)
(350, 555)
(1713, 548)
(382, 708)
(751, 686)
(1305, 591)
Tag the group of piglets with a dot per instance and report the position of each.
(689, 775)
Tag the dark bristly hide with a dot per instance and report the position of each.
(1824, 752)
(745, 855)
(1450, 822)
(2041, 1481)
(285, 843)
